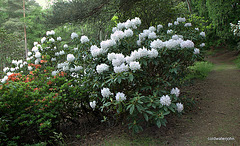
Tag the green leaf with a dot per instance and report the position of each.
(132, 109)
(158, 123)
(145, 116)
(131, 77)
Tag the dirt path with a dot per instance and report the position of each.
(219, 114)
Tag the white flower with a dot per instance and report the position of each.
(129, 59)
(37, 61)
(187, 44)
(120, 26)
(106, 92)
(181, 19)
(102, 67)
(29, 53)
(179, 107)
(169, 24)
(152, 53)
(57, 53)
(59, 38)
(95, 51)
(75, 49)
(4, 80)
(53, 59)
(54, 73)
(172, 43)
(119, 59)
(152, 28)
(5, 69)
(93, 104)
(134, 65)
(117, 35)
(196, 51)
(43, 40)
(122, 68)
(135, 55)
(157, 44)
(50, 33)
(114, 29)
(120, 96)
(111, 56)
(65, 68)
(176, 22)
(165, 100)
(77, 68)
(84, 39)
(61, 52)
(38, 55)
(52, 40)
(30, 68)
(35, 43)
(35, 49)
(12, 69)
(169, 31)
(65, 46)
(74, 35)
(197, 29)
(142, 52)
(139, 42)
(175, 91)
(152, 35)
(188, 24)
(159, 27)
(202, 34)
(202, 44)
(128, 32)
(108, 43)
(175, 37)
(70, 58)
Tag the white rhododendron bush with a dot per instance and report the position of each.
(133, 75)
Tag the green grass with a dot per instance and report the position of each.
(199, 70)
(237, 61)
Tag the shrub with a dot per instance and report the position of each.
(131, 76)
(199, 70)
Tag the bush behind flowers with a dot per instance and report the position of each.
(133, 75)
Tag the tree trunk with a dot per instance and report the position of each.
(25, 32)
(189, 6)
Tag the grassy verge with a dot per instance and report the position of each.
(199, 70)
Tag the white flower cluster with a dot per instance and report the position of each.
(165, 100)
(187, 44)
(202, 34)
(179, 107)
(70, 58)
(159, 27)
(202, 44)
(106, 92)
(175, 91)
(181, 19)
(102, 67)
(93, 104)
(147, 33)
(54, 73)
(84, 39)
(120, 96)
(133, 23)
(196, 51)
(64, 66)
(118, 34)
(74, 35)
(188, 24)
(48, 33)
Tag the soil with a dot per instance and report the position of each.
(215, 115)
